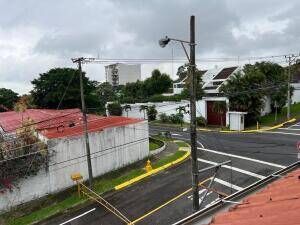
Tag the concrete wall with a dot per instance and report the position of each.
(167, 108)
(296, 94)
(111, 149)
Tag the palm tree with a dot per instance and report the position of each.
(181, 110)
(127, 108)
(144, 108)
(220, 108)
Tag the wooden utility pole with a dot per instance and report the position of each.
(193, 132)
(85, 125)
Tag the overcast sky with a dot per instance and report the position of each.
(38, 35)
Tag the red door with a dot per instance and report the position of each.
(214, 118)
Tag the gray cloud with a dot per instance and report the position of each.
(36, 35)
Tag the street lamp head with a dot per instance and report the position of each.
(164, 41)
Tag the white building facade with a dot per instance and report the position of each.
(121, 74)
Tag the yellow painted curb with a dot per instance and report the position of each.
(154, 171)
(259, 130)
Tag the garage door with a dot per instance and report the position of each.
(213, 118)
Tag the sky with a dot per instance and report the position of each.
(36, 36)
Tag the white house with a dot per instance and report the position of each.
(114, 143)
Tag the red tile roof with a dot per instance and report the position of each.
(277, 204)
(61, 123)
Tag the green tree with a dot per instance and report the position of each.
(183, 72)
(158, 83)
(115, 109)
(7, 99)
(105, 93)
(246, 93)
(151, 113)
(49, 88)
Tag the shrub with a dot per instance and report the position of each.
(176, 118)
(164, 118)
(115, 109)
(151, 113)
(201, 121)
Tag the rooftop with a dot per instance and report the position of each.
(60, 123)
(278, 203)
(225, 73)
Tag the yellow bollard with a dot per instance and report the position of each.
(257, 125)
(148, 166)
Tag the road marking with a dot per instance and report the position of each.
(289, 129)
(277, 132)
(176, 134)
(81, 215)
(200, 192)
(166, 203)
(202, 146)
(234, 168)
(227, 184)
(243, 157)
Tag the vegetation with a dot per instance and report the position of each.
(144, 108)
(151, 113)
(247, 92)
(115, 109)
(102, 185)
(182, 144)
(155, 144)
(127, 108)
(25, 159)
(7, 99)
(49, 88)
(201, 121)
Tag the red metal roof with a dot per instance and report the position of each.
(225, 73)
(60, 123)
(277, 204)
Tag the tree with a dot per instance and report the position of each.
(114, 109)
(151, 113)
(105, 93)
(220, 108)
(144, 108)
(127, 108)
(7, 99)
(49, 89)
(181, 110)
(183, 72)
(245, 93)
(158, 83)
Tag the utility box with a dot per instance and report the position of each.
(237, 120)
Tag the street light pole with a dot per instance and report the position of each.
(85, 126)
(193, 125)
(192, 75)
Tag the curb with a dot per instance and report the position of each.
(256, 130)
(155, 171)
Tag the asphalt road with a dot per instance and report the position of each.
(165, 198)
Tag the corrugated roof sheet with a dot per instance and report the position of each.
(277, 204)
(61, 123)
(225, 73)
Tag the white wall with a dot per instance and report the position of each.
(111, 149)
(296, 93)
(167, 108)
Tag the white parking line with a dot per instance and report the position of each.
(227, 184)
(234, 169)
(83, 214)
(242, 157)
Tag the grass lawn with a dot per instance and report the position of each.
(155, 144)
(269, 120)
(182, 144)
(101, 185)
